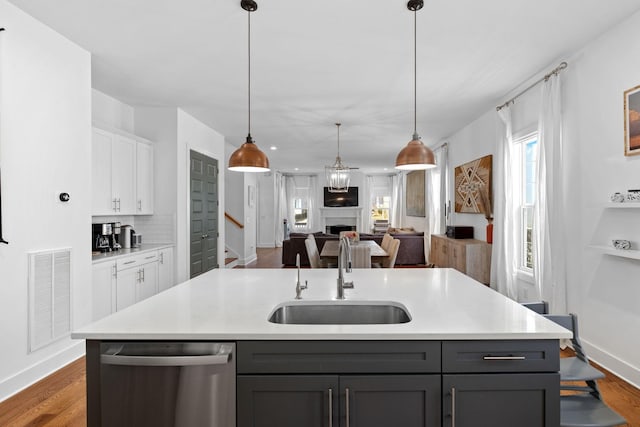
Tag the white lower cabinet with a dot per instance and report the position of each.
(137, 278)
(129, 279)
(126, 287)
(103, 289)
(148, 284)
(165, 269)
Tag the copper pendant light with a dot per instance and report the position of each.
(249, 158)
(415, 155)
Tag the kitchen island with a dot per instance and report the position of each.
(467, 357)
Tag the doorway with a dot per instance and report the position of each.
(203, 229)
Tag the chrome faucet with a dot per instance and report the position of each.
(299, 287)
(344, 259)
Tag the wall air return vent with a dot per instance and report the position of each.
(49, 296)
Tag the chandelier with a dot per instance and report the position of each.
(338, 175)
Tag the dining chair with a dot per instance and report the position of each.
(386, 240)
(360, 256)
(571, 368)
(540, 307)
(390, 260)
(312, 252)
(585, 408)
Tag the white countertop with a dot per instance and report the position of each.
(110, 256)
(234, 304)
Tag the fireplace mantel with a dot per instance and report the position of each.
(341, 216)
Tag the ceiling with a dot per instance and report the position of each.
(317, 63)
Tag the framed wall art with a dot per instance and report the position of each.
(415, 193)
(632, 121)
(470, 179)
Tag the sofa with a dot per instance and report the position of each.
(410, 251)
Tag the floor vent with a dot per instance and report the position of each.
(49, 296)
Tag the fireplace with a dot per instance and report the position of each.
(340, 217)
(336, 229)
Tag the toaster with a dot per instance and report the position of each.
(136, 240)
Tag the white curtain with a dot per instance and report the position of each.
(365, 215)
(313, 210)
(397, 201)
(548, 212)
(437, 180)
(290, 185)
(504, 251)
(280, 208)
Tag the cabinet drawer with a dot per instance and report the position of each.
(500, 356)
(136, 260)
(259, 357)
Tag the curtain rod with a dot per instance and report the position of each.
(553, 72)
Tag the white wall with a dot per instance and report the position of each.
(160, 125)
(242, 242)
(111, 112)
(603, 290)
(476, 140)
(266, 213)
(45, 149)
(194, 135)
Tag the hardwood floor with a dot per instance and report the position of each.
(267, 258)
(57, 400)
(60, 399)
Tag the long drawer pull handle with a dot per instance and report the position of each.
(149, 257)
(453, 407)
(330, 408)
(130, 262)
(346, 399)
(504, 358)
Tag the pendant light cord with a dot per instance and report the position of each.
(249, 70)
(415, 71)
(338, 125)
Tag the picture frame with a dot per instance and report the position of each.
(632, 121)
(470, 179)
(415, 194)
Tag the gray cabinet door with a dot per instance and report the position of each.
(287, 400)
(501, 400)
(390, 400)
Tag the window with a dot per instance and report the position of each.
(380, 188)
(300, 213)
(527, 198)
(380, 208)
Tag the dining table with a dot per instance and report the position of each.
(330, 250)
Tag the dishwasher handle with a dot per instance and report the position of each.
(220, 358)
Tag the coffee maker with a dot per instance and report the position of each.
(101, 237)
(115, 236)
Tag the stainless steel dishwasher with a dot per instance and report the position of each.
(168, 384)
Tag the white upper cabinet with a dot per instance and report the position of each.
(102, 202)
(122, 174)
(144, 179)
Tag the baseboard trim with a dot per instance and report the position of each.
(266, 245)
(29, 376)
(245, 261)
(618, 367)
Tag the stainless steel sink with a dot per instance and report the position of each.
(340, 313)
